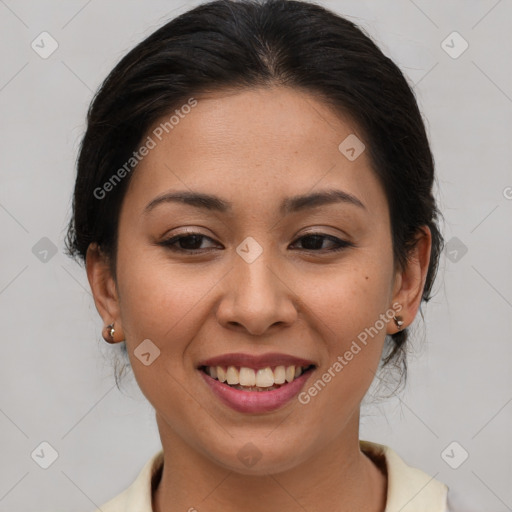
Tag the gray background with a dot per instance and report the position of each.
(57, 383)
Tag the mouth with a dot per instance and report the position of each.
(248, 379)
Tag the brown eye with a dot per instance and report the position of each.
(185, 243)
(316, 240)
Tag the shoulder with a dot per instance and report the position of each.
(409, 489)
(138, 496)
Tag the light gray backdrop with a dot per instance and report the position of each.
(57, 384)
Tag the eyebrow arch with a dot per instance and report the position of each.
(289, 205)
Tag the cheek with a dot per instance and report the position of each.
(350, 308)
(153, 290)
(150, 302)
(158, 303)
(165, 302)
(350, 297)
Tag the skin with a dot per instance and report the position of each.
(255, 148)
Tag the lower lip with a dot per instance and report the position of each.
(256, 401)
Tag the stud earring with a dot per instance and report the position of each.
(398, 322)
(110, 333)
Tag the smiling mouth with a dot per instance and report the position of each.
(249, 379)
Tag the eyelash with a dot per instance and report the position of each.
(170, 243)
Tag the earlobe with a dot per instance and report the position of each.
(103, 286)
(410, 281)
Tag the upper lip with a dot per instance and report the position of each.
(256, 361)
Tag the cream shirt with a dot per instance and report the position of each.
(409, 489)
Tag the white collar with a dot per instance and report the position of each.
(409, 489)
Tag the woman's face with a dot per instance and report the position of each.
(256, 281)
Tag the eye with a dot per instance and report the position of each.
(191, 243)
(316, 241)
(185, 243)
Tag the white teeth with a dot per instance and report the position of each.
(248, 377)
(221, 373)
(232, 375)
(279, 375)
(290, 373)
(264, 377)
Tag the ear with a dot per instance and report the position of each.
(410, 281)
(103, 286)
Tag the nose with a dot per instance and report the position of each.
(256, 297)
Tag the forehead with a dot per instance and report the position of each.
(256, 145)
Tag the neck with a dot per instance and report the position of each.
(339, 477)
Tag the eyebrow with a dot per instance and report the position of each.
(289, 205)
